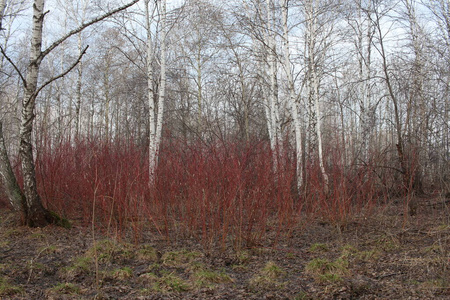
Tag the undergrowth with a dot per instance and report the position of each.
(219, 192)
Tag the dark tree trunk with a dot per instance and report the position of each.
(12, 188)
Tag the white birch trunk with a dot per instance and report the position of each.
(78, 94)
(32, 210)
(156, 112)
(365, 103)
(273, 90)
(292, 97)
(267, 73)
(314, 82)
(162, 88)
(35, 213)
(152, 148)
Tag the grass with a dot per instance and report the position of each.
(180, 258)
(319, 247)
(108, 250)
(324, 270)
(369, 255)
(167, 282)
(387, 243)
(349, 251)
(48, 249)
(8, 289)
(81, 265)
(302, 296)
(147, 253)
(268, 277)
(66, 288)
(208, 278)
(344, 270)
(122, 273)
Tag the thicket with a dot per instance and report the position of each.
(221, 192)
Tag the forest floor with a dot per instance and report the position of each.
(384, 256)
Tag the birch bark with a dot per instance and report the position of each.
(364, 50)
(162, 88)
(35, 214)
(13, 191)
(292, 97)
(273, 104)
(156, 110)
(149, 15)
(313, 81)
(264, 47)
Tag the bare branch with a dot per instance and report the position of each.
(63, 73)
(84, 26)
(14, 66)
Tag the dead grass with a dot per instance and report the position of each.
(364, 261)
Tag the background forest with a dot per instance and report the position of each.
(225, 118)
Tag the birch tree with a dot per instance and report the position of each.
(440, 15)
(273, 107)
(292, 96)
(258, 18)
(78, 96)
(32, 210)
(155, 100)
(363, 30)
(312, 63)
(416, 118)
(379, 13)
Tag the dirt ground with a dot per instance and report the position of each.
(385, 256)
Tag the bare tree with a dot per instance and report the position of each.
(379, 13)
(155, 100)
(313, 63)
(292, 97)
(33, 212)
